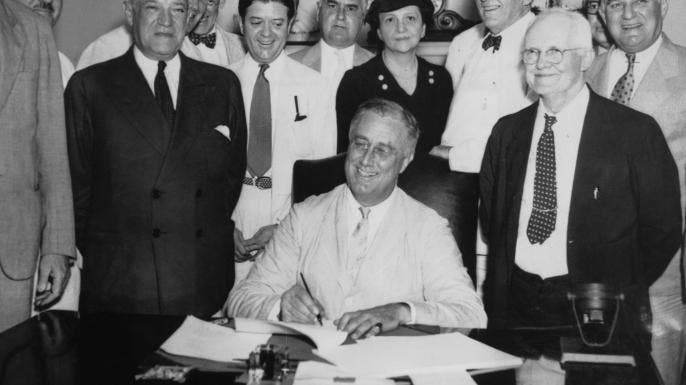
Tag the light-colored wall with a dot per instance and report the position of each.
(84, 20)
(675, 26)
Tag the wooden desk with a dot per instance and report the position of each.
(60, 349)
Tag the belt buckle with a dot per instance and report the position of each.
(261, 182)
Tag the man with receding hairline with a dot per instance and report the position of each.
(372, 257)
(340, 22)
(575, 189)
(651, 70)
(157, 150)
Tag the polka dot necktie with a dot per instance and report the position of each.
(544, 210)
(625, 85)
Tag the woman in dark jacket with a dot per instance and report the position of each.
(397, 73)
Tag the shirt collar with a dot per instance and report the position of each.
(377, 211)
(275, 67)
(571, 110)
(645, 57)
(327, 49)
(149, 66)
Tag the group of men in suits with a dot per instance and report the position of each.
(163, 147)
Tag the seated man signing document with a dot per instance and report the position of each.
(372, 257)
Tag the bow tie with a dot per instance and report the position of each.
(209, 40)
(491, 41)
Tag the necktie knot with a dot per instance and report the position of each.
(209, 39)
(491, 41)
(549, 121)
(161, 65)
(263, 69)
(624, 88)
(631, 59)
(365, 212)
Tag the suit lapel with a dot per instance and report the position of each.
(313, 57)
(132, 96)
(656, 84)
(11, 47)
(518, 155)
(360, 56)
(592, 145)
(598, 74)
(192, 94)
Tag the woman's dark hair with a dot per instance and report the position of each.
(426, 9)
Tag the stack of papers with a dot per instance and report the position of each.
(384, 357)
(324, 337)
(200, 339)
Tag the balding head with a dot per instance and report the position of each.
(557, 51)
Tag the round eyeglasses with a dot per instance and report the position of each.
(552, 55)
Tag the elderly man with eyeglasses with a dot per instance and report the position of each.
(575, 189)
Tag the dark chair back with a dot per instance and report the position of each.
(428, 179)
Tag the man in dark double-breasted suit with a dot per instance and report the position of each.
(601, 205)
(157, 149)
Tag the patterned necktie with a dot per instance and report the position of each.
(544, 210)
(625, 85)
(260, 130)
(358, 242)
(162, 94)
(209, 39)
(491, 41)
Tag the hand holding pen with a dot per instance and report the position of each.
(298, 305)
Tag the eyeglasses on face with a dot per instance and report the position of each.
(552, 55)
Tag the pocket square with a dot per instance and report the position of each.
(224, 130)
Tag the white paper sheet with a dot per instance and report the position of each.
(318, 373)
(325, 337)
(400, 356)
(454, 377)
(200, 339)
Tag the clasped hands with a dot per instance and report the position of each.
(298, 306)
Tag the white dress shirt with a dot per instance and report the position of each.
(149, 68)
(549, 259)
(216, 55)
(618, 64)
(330, 67)
(488, 85)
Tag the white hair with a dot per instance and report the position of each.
(579, 29)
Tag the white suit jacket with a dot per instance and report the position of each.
(413, 258)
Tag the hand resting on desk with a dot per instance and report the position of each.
(365, 323)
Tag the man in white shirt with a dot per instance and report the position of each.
(288, 119)
(657, 80)
(340, 22)
(210, 42)
(117, 41)
(488, 81)
(364, 255)
(575, 189)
